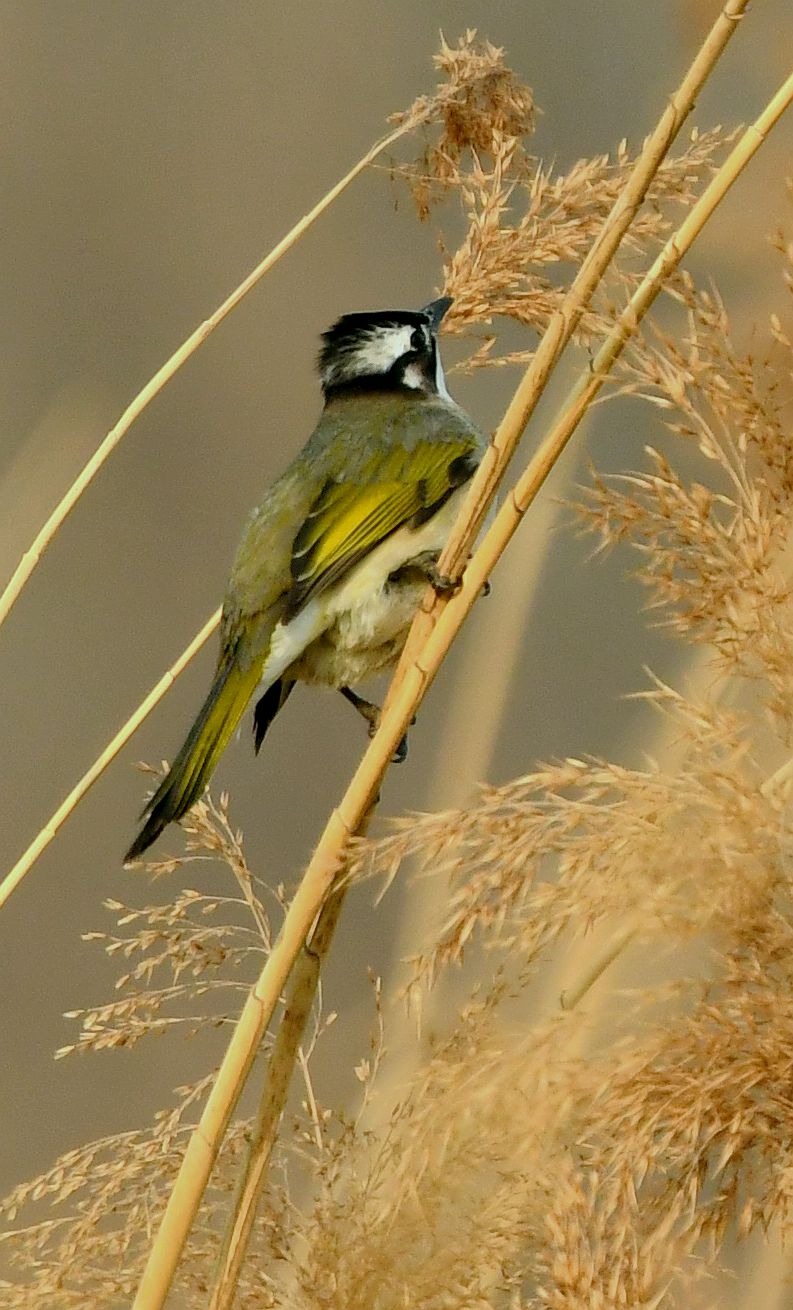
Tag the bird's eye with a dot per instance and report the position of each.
(418, 340)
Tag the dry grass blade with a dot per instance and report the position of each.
(328, 858)
(53, 825)
(474, 78)
(163, 375)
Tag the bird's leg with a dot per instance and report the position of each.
(372, 715)
(365, 708)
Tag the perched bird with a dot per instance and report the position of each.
(333, 562)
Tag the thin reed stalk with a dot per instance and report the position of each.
(344, 821)
(53, 825)
(164, 374)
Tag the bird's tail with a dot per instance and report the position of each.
(206, 741)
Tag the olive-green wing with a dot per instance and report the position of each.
(403, 488)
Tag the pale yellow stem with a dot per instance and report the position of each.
(324, 866)
(163, 375)
(42, 841)
(597, 966)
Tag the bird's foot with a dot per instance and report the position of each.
(372, 714)
(446, 586)
(443, 584)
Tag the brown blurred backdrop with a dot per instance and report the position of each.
(153, 151)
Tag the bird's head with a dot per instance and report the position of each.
(387, 350)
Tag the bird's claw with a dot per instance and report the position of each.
(446, 586)
(443, 584)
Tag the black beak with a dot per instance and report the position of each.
(436, 309)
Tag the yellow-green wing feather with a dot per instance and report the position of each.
(347, 520)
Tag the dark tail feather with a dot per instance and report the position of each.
(207, 739)
(267, 706)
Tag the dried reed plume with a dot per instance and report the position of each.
(533, 1158)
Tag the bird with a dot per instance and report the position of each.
(334, 561)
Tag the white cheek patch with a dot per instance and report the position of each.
(379, 352)
(375, 352)
(414, 378)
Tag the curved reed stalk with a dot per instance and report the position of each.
(53, 825)
(164, 374)
(328, 858)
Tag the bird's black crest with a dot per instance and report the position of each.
(351, 330)
(385, 350)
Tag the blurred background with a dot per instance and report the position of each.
(153, 152)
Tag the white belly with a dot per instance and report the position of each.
(359, 627)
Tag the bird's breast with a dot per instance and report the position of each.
(364, 640)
